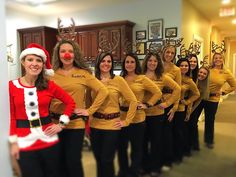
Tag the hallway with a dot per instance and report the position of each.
(221, 161)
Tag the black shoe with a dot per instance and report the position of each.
(154, 174)
(209, 145)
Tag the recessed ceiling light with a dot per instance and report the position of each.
(34, 2)
(225, 1)
(227, 11)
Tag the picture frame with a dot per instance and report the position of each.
(141, 35)
(155, 29)
(171, 32)
(141, 48)
(155, 45)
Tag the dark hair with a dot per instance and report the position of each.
(159, 69)
(41, 82)
(99, 59)
(138, 69)
(164, 50)
(184, 60)
(194, 72)
(78, 61)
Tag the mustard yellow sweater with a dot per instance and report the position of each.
(174, 72)
(76, 85)
(164, 81)
(218, 77)
(117, 88)
(140, 86)
(188, 89)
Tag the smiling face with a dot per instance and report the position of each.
(130, 64)
(106, 64)
(184, 67)
(33, 65)
(218, 60)
(66, 54)
(152, 63)
(193, 63)
(169, 54)
(202, 74)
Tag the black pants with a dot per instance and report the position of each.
(178, 135)
(193, 127)
(210, 109)
(71, 146)
(134, 134)
(104, 146)
(168, 139)
(40, 163)
(210, 112)
(153, 143)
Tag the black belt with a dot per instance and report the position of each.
(213, 94)
(167, 90)
(72, 117)
(106, 116)
(33, 123)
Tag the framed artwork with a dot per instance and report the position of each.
(141, 48)
(170, 32)
(155, 29)
(154, 46)
(141, 35)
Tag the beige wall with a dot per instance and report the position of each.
(194, 25)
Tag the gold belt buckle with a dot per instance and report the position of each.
(39, 121)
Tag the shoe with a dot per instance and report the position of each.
(154, 174)
(209, 145)
(165, 168)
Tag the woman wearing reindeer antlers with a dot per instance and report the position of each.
(134, 133)
(218, 77)
(76, 79)
(106, 122)
(168, 55)
(154, 133)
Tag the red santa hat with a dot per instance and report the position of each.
(38, 50)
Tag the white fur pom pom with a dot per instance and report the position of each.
(64, 119)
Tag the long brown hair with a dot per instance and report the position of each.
(159, 69)
(78, 61)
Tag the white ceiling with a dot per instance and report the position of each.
(209, 8)
(60, 6)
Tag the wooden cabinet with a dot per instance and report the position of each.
(88, 42)
(88, 37)
(42, 35)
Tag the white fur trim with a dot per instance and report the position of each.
(49, 72)
(35, 51)
(13, 139)
(65, 119)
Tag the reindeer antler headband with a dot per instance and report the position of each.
(66, 33)
(194, 48)
(218, 49)
(105, 45)
(204, 62)
(172, 42)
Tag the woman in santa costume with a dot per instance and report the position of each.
(33, 136)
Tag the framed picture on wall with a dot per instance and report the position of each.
(141, 48)
(170, 32)
(155, 29)
(141, 35)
